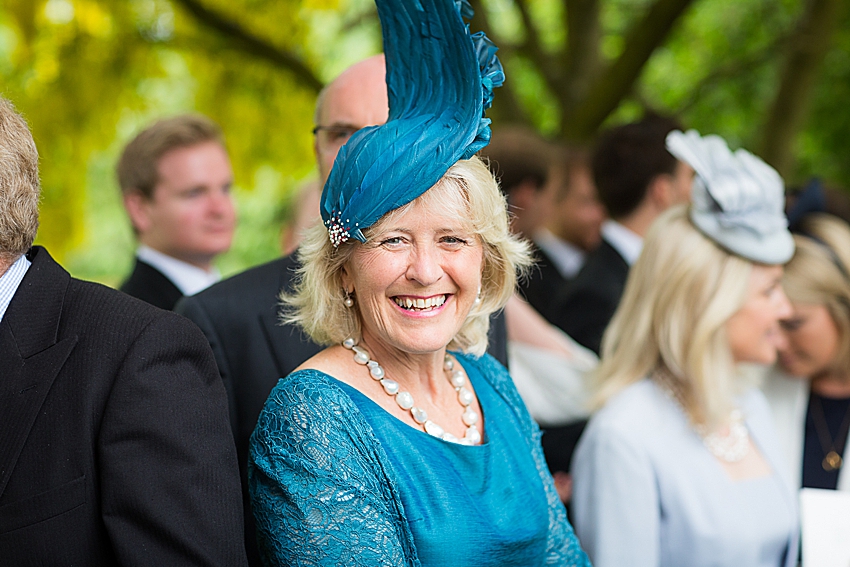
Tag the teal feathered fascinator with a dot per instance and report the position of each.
(440, 80)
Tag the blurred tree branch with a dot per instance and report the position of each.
(251, 43)
(807, 50)
(605, 93)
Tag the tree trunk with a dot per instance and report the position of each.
(580, 122)
(253, 44)
(806, 53)
(581, 60)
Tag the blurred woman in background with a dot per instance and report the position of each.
(681, 466)
(809, 393)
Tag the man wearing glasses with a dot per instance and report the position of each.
(239, 315)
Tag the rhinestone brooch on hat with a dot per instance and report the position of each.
(457, 379)
(338, 232)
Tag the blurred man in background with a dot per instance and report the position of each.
(175, 177)
(240, 315)
(637, 179)
(575, 225)
(115, 448)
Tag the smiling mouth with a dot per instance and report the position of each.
(418, 303)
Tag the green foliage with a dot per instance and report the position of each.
(89, 74)
(824, 146)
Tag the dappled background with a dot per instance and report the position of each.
(769, 75)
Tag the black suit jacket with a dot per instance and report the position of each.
(150, 285)
(590, 300)
(114, 444)
(240, 317)
(543, 285)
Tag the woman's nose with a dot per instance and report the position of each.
(424, 265)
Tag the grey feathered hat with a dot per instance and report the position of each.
(737, 199)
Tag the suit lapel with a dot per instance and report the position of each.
(288, 345)
(23, 388)
(31, 355)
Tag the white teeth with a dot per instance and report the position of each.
(419, 303)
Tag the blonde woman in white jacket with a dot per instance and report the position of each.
(809, 392)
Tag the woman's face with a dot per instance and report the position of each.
(415, 281)
(753, 331)
(812, 340)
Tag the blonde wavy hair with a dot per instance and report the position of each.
(19, 185)
(671, 321)
(814, 275)
(468, 189)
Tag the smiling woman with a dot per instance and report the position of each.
(469, 207)
(402, 443)
(390, 423)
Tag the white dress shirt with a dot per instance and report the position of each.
(9, 282)
(189, 279)
(567, 258)
(624, 241)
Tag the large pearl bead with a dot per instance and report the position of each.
(404, 400)
(390, 386)
(433, 429)
(420, 416)
(473, 435)
(464, 396)
(458, 379)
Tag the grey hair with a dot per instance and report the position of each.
(19, 184)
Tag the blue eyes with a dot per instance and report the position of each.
(451, 241)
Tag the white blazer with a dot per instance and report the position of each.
(788, 398)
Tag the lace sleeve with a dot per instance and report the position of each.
(321, 489)
(562, 546)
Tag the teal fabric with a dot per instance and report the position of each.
(440, 80)
(335, 480)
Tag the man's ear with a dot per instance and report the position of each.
(138, 209)
(661, 191)
(524, 195)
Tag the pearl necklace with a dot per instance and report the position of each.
(457, 379)
(733, 446)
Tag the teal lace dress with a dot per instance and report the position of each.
(336, 480)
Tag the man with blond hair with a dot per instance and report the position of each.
(114, 442)
(175, 178)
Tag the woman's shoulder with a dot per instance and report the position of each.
(634, 411)
(309, 401)
(305, 385)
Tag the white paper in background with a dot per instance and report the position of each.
(825, 517)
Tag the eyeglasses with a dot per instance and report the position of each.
(333, 135)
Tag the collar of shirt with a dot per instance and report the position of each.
(10, 281)
(568, 259)
(189, 279)
(624, 241)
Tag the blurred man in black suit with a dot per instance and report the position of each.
(175, 177)
(637, 179)
(114, 444)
